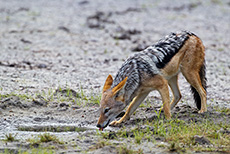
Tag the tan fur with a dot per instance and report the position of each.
(191, 64)
(188, 60)
(119, 86)
(108, 83)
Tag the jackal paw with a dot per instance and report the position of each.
(115, 123)
(202, 111)
(168, 116)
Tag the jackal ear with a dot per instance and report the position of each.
(119, 86)
(108, 83)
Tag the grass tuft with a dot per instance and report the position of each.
(10, 137)
(125, 150)
(44, 138)
(99, 144)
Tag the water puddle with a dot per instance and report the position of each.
(55, 128)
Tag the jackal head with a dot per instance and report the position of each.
(111, 105)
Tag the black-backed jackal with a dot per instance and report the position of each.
(154, 69)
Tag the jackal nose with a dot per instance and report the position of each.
(98, 125)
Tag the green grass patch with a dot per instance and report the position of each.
(10, 137)
(205, 136)
(44, 97)
(44, 138)
(21, 96)
(125, 150)
(201, 136)
(99, 144)
(222, 110)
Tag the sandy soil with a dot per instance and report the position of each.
(45, 45)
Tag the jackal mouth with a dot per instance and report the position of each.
(119, 115)
(107, 124)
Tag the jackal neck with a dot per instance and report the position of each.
(129, 69)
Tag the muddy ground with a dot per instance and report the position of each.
(49, 49)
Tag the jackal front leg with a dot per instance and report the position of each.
(164, 92)
(132, 107)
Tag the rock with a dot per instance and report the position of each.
(98, 20)
(39, 102)
(64, 29)
(26, 41)
(39, 119)
(84, 2)
(42, 66)
(123, 34)
(201, 140)
(63, 105)
(67, 93)
(13, 101)
(111, 135)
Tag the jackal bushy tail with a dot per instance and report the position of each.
(202, 74)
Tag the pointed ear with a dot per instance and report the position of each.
(119, 86)
(108, 83)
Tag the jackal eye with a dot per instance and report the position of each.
(106, 110)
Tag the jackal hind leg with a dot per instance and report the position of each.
(132, 107)
(173, 83)
(194, 79)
